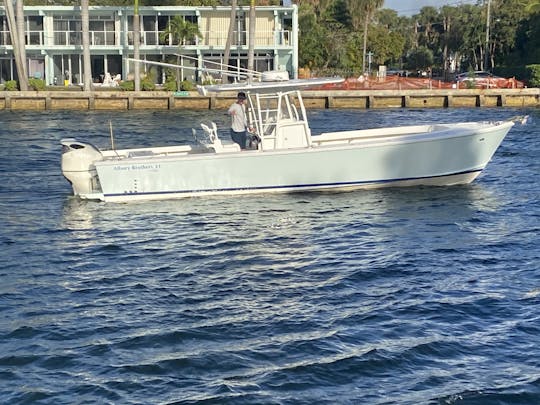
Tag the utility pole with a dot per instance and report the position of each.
(488, 20)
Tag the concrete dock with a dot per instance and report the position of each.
(162, 100)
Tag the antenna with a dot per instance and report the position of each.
(240, 71)
(112, 137)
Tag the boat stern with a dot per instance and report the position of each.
(78, 168)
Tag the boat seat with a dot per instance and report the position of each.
(217, 144)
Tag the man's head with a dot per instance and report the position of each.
(241, 96)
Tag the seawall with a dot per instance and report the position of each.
(161, 100)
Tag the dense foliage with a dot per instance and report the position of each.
(452, 38)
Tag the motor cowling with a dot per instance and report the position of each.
(78, 165)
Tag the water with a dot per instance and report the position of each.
(403, 296)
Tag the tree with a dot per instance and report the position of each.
(420, 58)
(19, 17)
(230, 34)
(472, 37)
(527, 49)
(87, 67)
(310, 52)
(356, 13)
(506, 17)
(533, 6)
(400, 25)
(450, 36)
(430, 24)
(389, 44)
(251, 44)
(180, 31)
(20, 63)
(369, 7)
(136, 45)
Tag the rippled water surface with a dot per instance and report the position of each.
(400, 296)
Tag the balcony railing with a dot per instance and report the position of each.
(32, 38)
(241, 38)
(217, 38)
(108, 38)
(97, 38)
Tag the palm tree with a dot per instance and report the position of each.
(534, 6)
(19, 17)
(136, 45)
(356, 11)
(230, 35)
(251, 44)
(180, 30)
(87, 67)
(17, 46)
(369, 7)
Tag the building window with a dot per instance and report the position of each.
(67, 30)
(5, 39)
(34, 30)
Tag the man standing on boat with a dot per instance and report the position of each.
(239, 124)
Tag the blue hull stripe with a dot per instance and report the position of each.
(292, 187)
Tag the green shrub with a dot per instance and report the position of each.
(147, 84)
(11, 85)
(186, 85)
(534, 75)
(170, 85)
(128, 85)
(36, 84)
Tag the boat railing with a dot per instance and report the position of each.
(376, 133)
(146, 152)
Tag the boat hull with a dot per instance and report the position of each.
(426, 159)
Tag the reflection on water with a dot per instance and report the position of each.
(295, 229)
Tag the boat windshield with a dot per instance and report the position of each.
(268, 109)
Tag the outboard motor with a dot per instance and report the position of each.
(78, 166)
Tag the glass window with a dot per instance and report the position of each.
(75, 38)
(61, 25)
(5, 70)
(149, 23)
(99, 38)
(75, 26)
(96, 25)
(109, 38)
(34, 38)
(35, 23)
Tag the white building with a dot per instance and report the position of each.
(54, 41)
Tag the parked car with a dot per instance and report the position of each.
(478, 78)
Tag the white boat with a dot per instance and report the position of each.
(288, 157)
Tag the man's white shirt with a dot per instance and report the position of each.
(238, 117)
